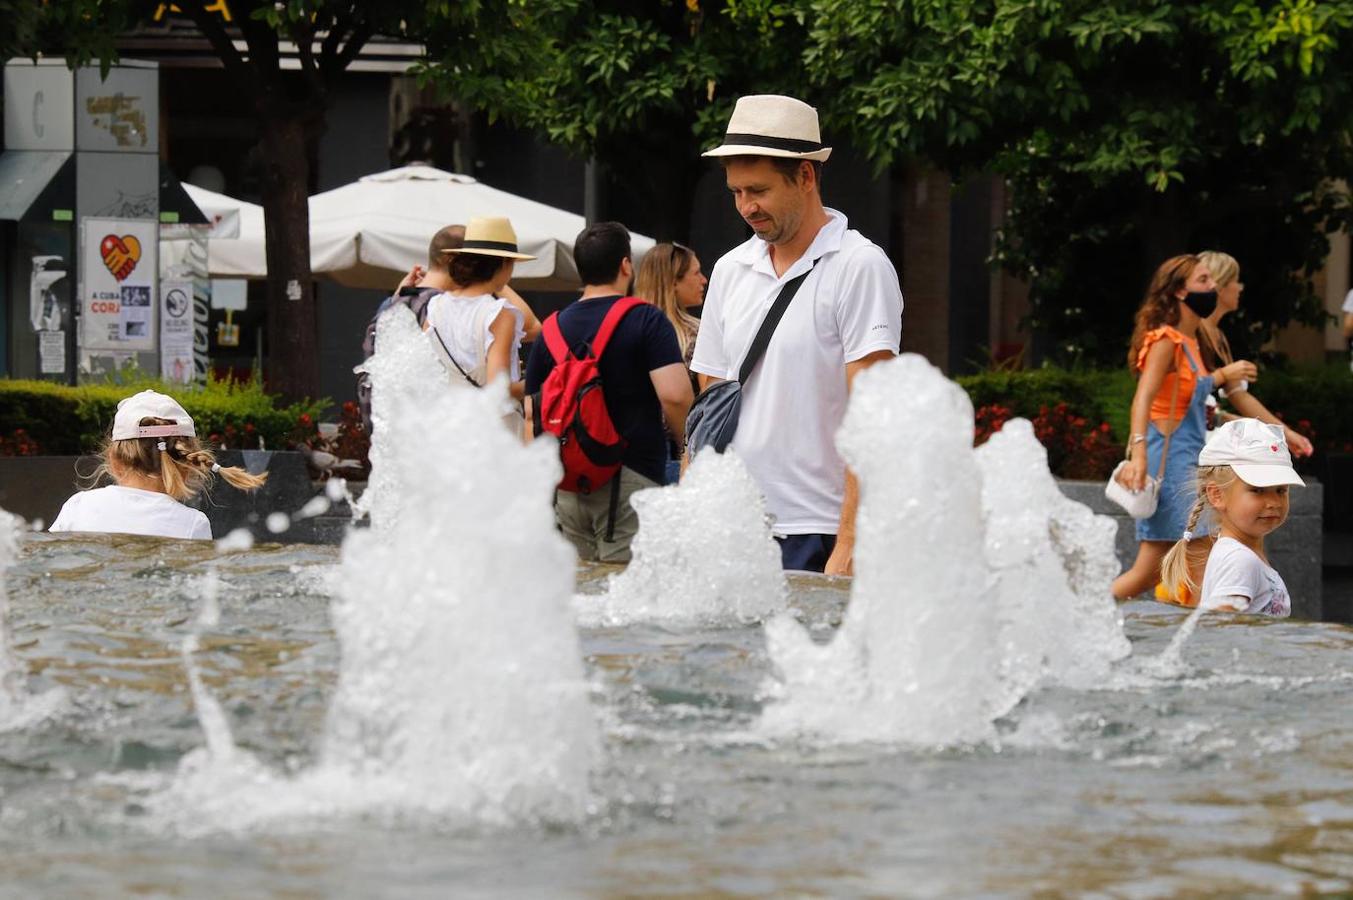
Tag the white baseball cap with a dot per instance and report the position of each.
(1257, 451)
(150, 405)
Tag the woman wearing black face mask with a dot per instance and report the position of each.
(1171, 399)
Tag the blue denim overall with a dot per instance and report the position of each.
(1179, 489)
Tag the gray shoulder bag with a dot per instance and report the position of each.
(713, 419)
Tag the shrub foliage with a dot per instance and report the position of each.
(61, 419)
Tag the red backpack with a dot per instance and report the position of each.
(571, 405)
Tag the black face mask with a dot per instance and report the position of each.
(1204, 303)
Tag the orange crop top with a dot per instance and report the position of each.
(1187, 377)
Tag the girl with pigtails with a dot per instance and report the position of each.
(157, 463)
(1244, 472)
(1169, 417)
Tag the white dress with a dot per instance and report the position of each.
(123, 510)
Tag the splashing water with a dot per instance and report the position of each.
(958, 557)
(19, 708)
(1054, 562)
(1170, 663)
(704, 554)
(461, 692)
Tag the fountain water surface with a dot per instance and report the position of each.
(19, 708)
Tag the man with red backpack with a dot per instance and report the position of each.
(626, 351)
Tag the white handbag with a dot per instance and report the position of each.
(1142, 504)
(1139, 504)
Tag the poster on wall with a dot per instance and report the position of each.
(118, 293)
(176, 331)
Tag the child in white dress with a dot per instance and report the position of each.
(477, 333)
(1244, 473)
(155, 458)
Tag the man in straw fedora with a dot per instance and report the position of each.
(845, 316)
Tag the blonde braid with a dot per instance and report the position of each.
(204, 461)
(1174, 569)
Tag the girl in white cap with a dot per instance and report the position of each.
(1244, 472)
(155, 458)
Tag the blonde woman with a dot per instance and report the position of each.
(1217, 350)
(670, 278)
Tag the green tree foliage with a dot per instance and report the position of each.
(1128, 131)
(642, 85)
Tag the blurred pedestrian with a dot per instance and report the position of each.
(1169, 408)
(671, 279)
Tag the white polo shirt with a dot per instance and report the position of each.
(848, 307)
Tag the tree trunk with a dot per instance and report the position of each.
(292, 331)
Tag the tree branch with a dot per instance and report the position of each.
(302, 33)
(356, 41)
(212, 29)
(262, 41)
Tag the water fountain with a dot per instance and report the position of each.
(419, 715)
(461, 694)
(972, 581)
(703, 555)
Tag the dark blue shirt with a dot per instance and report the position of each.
(643, 341)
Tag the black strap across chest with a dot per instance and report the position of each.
(768, 324)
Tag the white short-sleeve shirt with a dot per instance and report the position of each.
(123, 510)
(1234, 570)
(849, 306)
(1348, 302)
(464, 325)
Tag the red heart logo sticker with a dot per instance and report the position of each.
(120, 254)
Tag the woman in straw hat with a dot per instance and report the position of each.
(477, 333)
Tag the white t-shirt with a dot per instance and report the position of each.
(1348, 302)
(1234, 570)
(463, 324)
(848, 307)
(123, 510)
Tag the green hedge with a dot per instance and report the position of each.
(68, 420)
(1098, 395)
(1319, 395)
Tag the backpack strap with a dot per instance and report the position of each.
(608, 324)
(554, 338)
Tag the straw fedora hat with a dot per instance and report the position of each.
(772, 125)
(490, 236)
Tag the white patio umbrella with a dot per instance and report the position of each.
(368, 234)
(235, 241)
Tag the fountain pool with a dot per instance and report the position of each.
(424, 712)
(1229, 772)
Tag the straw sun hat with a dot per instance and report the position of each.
(490, 236)
(772, 125)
